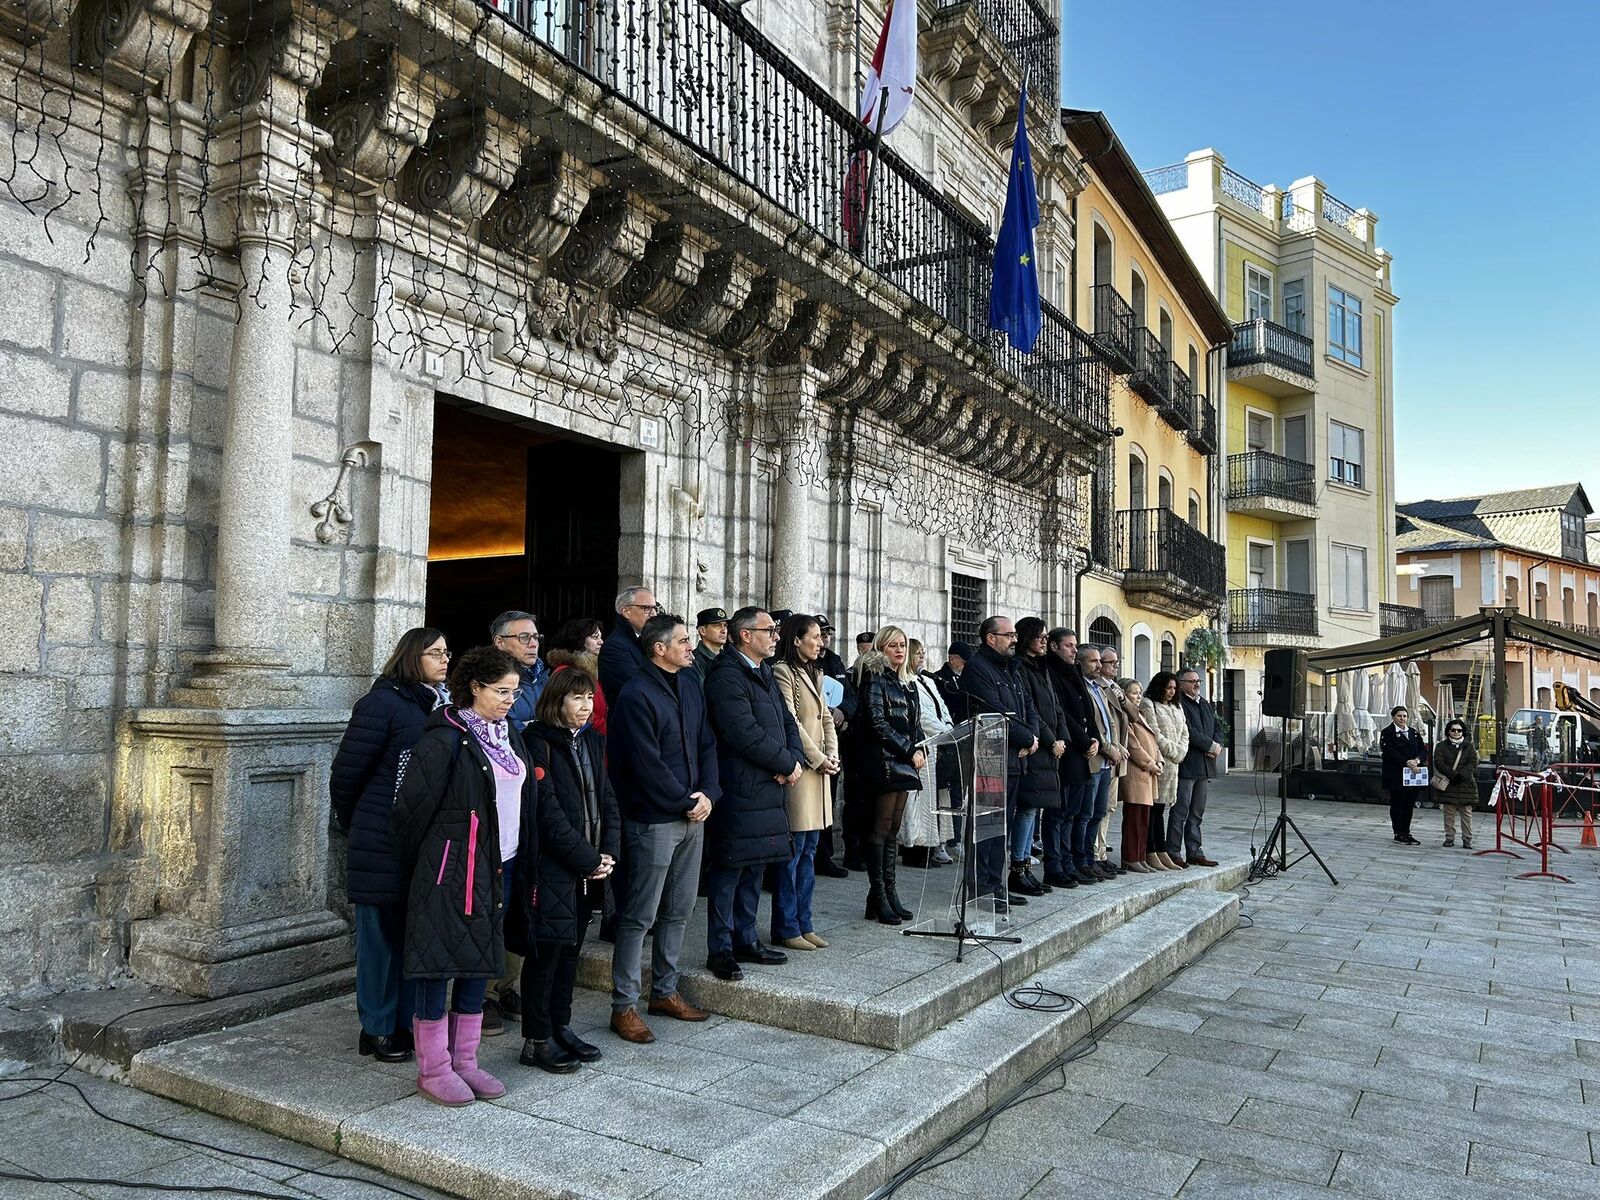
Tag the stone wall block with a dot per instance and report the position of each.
(308, 635)
(349, 641)
(317, 386)
(21, 621)
(36, 709)
(52, 806)
(76, 545)
(70, 611)
(317, 569)
(28, 307)
(13, 539)
(62, 468)
(94, 325)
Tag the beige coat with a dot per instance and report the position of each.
(1144, 752)
(809, 803)
(1172, 736)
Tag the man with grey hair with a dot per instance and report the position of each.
(620, 656)
(517, 633)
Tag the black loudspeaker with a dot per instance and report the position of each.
(1283, 684)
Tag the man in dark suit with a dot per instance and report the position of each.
(759, 759)
(1079, 766)
(992, 684)
(620, 656)
(664, 762)
(1198, 768)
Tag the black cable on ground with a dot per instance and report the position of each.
(97, 1043)
(1024, 1093)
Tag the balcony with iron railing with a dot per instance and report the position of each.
(1178, 411)
(1203, 435)
(1152, 368)
(1116, 328)
(1264, 484)
(1270, 617)
(1167, 565)
(1028, 31)
(708, 77)
(1395, 619)
(1270, 357)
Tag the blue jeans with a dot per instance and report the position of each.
(797, 882)
(1022, 835)
(732, 896)
(384, 996)
(468, 997)
(1060, 826)
(1088, 819)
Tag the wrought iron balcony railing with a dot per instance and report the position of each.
(1262, 341)
(1152, 368)
(1269, 611)
(1178, 411)
(1028, 31)
(1263, 473)
(1203, 435)
(1158, 542)
(1115, 327)
(1066, 368)
(702, 71)
(1395, 619)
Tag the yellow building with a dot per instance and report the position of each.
(1157, 563)
(1309, 429)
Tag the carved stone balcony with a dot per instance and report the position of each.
(1167, 565)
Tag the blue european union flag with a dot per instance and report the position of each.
(1014, 291)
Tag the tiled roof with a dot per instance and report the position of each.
(1521, 500)
(1413, 535)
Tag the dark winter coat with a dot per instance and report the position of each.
(833, 667)
(1072, 693)
(446, 832)
(992, 683)
(1041, 775)
(949, 685)
(756, 740)
(530, 683)
(660, 749)
(385, 723)
(1203, 733)
(575, 812)
(886, 732)
(1458, 764)
(620, 659)
(1398, 748)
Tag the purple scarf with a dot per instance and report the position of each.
(495, 738)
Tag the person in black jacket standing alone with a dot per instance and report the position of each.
(759, 757)
(579, 840)
(385, 724)
(457, 828)
(664, 766)
(992, 685)
(1402, 747)
(886, 764)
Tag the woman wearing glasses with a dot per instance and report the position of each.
(384, 725)
(458, 831)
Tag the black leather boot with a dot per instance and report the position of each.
(878, 908)
(891, 860)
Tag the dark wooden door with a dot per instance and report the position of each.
(574, 527)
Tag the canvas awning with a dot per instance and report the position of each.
(1424, 642)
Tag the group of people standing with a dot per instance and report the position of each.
(496, 801)
(1411, 769)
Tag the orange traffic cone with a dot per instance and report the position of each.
(1587, 842)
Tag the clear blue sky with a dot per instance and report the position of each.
(1470, 129)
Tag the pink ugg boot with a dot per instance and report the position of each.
(466, 1029)
(436, 1080)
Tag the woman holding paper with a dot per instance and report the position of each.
(1405, 771)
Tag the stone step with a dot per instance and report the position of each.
(728, 1107)
(877, 987)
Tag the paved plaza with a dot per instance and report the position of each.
(1416, 1031)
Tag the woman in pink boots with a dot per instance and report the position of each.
(457, 828)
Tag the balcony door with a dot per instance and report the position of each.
(1297, 566)
(1297, 438)
(1439, 598)
(1257, 431)
(1257, 294)
(1261, 554)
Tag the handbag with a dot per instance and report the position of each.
(1440, 782)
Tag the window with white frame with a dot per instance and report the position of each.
(1294, 305)
(1257, 294)
(1347, 566)
(1344, 326)
(1346, 454)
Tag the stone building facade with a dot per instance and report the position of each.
(312, 307)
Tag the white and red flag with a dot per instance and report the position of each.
(894, 67)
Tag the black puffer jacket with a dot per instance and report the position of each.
(1041, 776)
(576, 815)
(446, 832)
(887, 730)
(385, 723)
(756, 739)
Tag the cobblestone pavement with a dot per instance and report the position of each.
(1428, 1028)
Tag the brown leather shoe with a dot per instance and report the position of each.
(676, 1006)
(1200, 860)
(630, 1027)
(1177, 861)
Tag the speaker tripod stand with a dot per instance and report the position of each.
(1278, 839)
